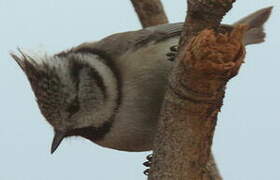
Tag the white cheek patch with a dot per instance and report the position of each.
(101, 109)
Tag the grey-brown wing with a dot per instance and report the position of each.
(118, 44)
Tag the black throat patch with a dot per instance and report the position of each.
(92, 133)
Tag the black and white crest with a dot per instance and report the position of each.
(72, 93)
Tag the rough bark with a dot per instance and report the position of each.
(150, 12)
(195, 94)
(203, 14)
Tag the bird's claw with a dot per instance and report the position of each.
(148, 164)
(173, 52)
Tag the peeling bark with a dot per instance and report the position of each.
(150, 12)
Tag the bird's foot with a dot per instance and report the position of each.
(173, 52)
(148, 164)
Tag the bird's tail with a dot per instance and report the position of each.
(255, 22)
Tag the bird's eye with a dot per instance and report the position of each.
(73, 107)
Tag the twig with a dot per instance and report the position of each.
(150, 12)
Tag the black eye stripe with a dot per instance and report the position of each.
(98, 79)
(75, 68)
(74, 107)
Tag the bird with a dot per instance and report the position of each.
(110, 91)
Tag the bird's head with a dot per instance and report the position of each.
(70, 93)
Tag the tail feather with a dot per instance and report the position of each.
(255, 22)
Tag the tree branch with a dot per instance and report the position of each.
(195, 94)
(150, 12)
(204, 14)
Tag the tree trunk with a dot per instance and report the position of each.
(206, 61)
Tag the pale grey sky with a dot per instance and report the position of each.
(247, 138)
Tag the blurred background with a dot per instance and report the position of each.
(246, 143)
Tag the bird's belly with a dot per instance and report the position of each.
(135, 124)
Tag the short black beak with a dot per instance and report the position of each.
(58, 137)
